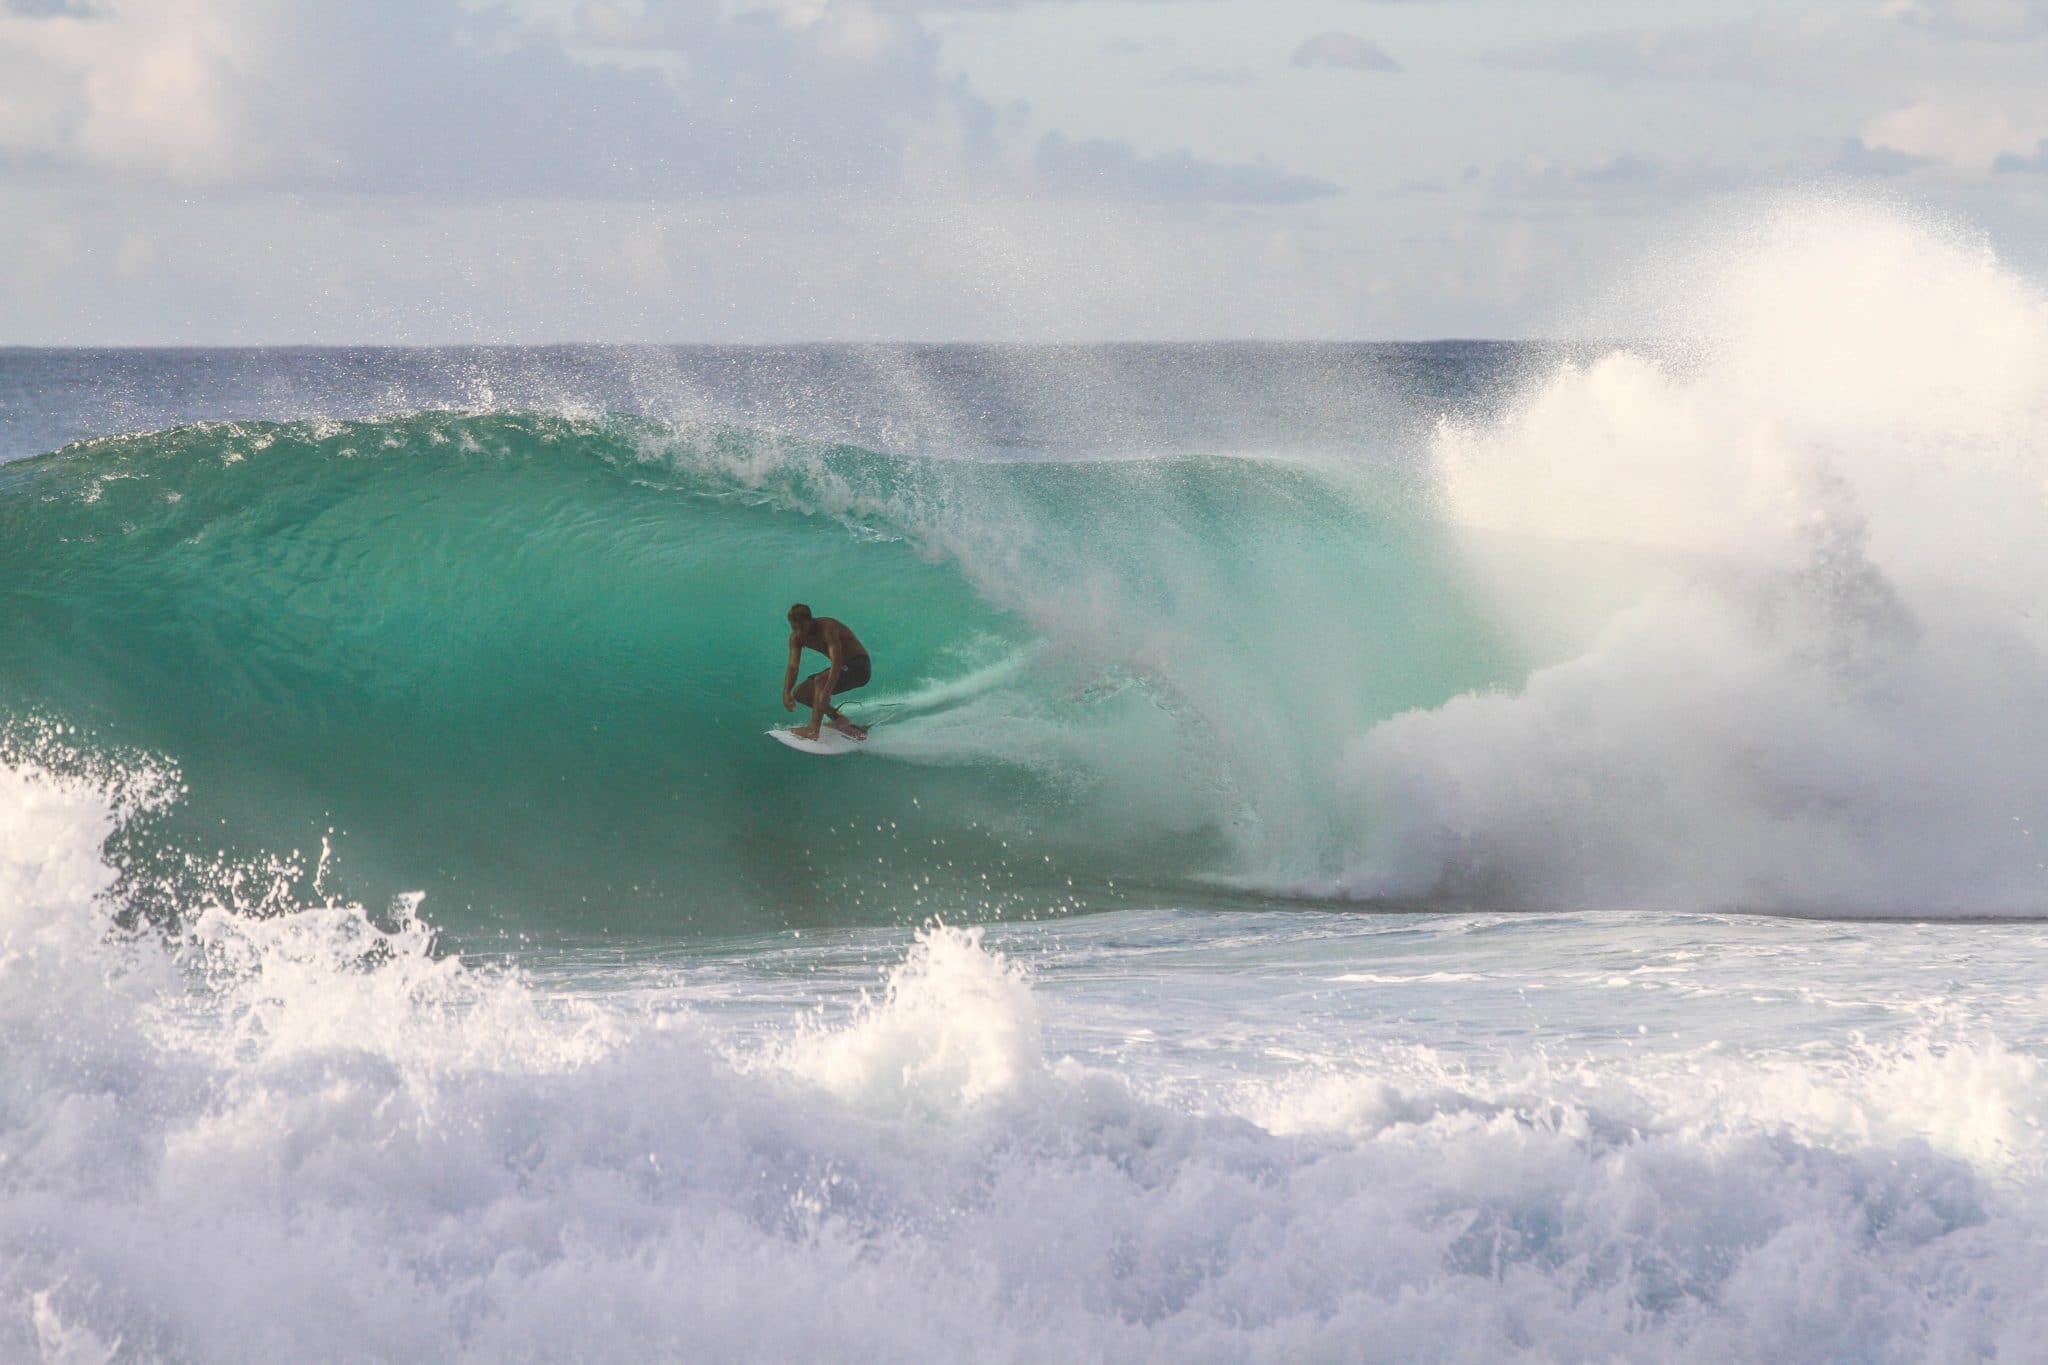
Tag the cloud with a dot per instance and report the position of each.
(1346, 50)
(153, 95)
(1625, 169)
(449, 98)
(1874, 52)
(1969, 70)
(1858, 157)
(1917, 45)
(1098, 166)
(2032, 163)
(1959, 137)
(435, 97)
(1729, 52)
(1989, 20)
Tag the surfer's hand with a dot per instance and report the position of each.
(788, 702)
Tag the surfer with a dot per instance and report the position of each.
(848, 669)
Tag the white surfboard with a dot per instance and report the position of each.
(829, 741)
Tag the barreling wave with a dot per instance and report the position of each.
(523, 662)
(1756, 624)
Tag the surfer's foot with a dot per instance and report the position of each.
(849, 729)
(804, 731)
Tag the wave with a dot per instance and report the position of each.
(1755, 622)
(522, 662)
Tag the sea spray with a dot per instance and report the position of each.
(955, 1028)
(1812, 687)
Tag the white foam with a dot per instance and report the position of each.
(303, 1135)
(955, 1029)
(1808, 683)
(50, 842)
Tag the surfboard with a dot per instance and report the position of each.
(829, 741)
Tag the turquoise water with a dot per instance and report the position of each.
(522, 663)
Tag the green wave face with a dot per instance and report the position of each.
(523, 663)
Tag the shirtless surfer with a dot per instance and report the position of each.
(849, 668)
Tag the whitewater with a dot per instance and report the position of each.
(1475, 851)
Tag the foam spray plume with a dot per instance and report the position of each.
(1791, 584)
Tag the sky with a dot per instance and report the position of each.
(439, 171)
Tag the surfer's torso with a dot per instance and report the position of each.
(822, 632)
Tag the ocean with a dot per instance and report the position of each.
(1463, 851)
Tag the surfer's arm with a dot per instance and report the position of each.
(796, 651)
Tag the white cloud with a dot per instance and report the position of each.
(1346, 50)
(1965, 139)
(1950, 84)
(1857, 157)
(431, 170)
(666, 99)
(178, 90)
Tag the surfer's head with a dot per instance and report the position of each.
(799, 616)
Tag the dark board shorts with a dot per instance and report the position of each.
(855, 673)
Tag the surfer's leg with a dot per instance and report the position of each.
(838, 721)
(855, 674)
(810, 695)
